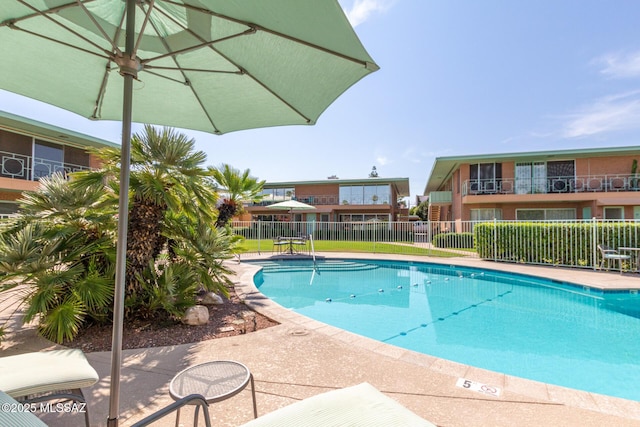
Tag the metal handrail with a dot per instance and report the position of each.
(20, 166)
(553, 184)
(192, 399)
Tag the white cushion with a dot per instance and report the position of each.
(358, 406)
(46, 371)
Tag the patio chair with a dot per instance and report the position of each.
(279, 243)
(358, 406)
(48, 375)
(22, 418)
(609, 254)
(301, 242)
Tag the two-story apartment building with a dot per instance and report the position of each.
(336, 200)
(30, 150)
(544, 185)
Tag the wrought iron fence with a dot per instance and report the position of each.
(570, 243)
(18, 166)
(553, 184)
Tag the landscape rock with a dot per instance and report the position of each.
(196, 316)
(212, 299)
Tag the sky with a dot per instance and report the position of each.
(457, 77)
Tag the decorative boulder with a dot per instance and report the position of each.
(212, 299)
(196, 316)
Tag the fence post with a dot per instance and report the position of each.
(259, 231)
(495, 239)
(594, 243)
(375, 232)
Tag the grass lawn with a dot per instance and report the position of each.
(350, 246)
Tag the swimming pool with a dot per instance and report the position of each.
(520, 325)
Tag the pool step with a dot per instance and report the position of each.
(306, 265)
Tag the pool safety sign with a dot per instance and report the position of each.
(478, 387)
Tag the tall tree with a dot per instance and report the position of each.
(166, 177)
(238, 187)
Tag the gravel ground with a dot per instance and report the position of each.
(152, 334)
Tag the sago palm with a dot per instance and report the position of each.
(58, 255)
(238, 187)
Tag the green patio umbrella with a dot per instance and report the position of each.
(210, 65)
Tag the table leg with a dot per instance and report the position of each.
(253, 396)
(178, 418)
(195, 416)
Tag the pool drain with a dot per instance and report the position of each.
(298, 332)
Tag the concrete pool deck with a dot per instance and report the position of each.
(302, 357)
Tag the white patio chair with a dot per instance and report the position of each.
(609, 254)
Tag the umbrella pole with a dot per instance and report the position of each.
(123, 219)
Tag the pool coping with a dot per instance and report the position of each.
(299, 324)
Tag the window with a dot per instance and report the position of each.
(7, 208)
(531, 178)
(365, 194)
(484, 177)
(48, 159)
(541, 177)
(485, 214)
(364, 217)
(613, 212)
(545, 214)
(274, 195)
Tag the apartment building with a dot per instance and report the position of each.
(336, 200)
(31, 150)
(544, 185)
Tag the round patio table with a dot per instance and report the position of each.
(217, 380)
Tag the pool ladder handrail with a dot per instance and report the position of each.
(313, 251)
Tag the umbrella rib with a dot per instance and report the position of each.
(99, 27)
(186, 80)
(103, 87)
(366, 64)
(42, 36)
(147, 16)
(45, 14)
(205, 43)
(196, 70)
(39, 12)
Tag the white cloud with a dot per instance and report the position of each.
(613, 113)
(621, 65)
(361, 10)
(382, 160)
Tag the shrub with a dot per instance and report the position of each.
(453, 240)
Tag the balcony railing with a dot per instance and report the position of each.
(18, 166)
(322, 200)
(553, 185)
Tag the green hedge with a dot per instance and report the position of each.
(570, 244)
(453, 240)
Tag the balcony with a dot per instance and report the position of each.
(18, 166)
(553, 185)
(322, 200)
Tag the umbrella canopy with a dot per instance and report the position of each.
(210, 65)
(290, 205)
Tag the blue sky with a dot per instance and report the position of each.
(457, 77)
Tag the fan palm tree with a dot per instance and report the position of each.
(166, 176)
(58, 256)
(239, 187)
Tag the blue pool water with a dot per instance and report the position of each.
(533, 328)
